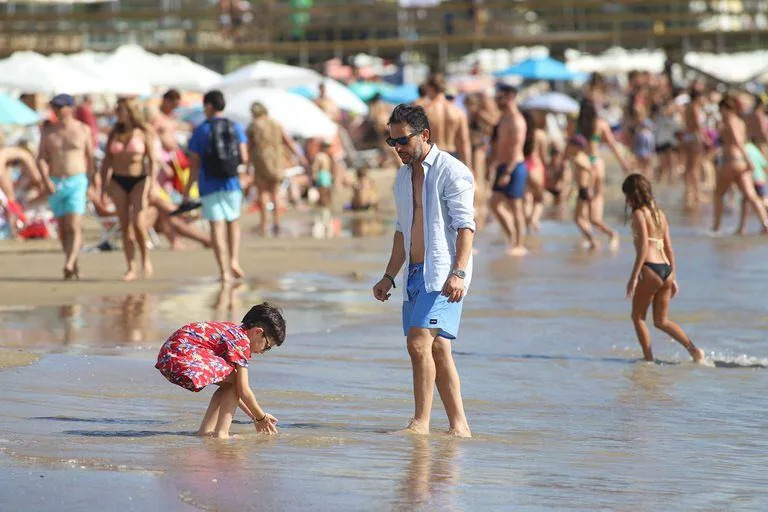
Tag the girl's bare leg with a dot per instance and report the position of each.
(646, 289)
(498, 207)
(660, 321)
(723, 182)
(747, 187)
(580, 217)
(741, 229)
(122, 208)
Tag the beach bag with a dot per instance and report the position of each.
(222, 155)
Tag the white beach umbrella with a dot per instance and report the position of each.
(264, 73)
(35, 73)
(731, 67)
(299, 116)
(552, 102)
(182, 73)
(112, 79)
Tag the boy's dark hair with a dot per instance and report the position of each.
(412, 115)
(269, 318)
(506, 89)
(215, 99)
(172, 95)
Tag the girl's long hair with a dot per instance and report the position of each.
(587, 120)
(134, 109)
(638, 193)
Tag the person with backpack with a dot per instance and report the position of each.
(218, 147)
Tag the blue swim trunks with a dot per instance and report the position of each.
(222, 205)
(429, 310)
(70, 195)
(515, 189)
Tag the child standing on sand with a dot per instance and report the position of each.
(204, 353)
(653, 275)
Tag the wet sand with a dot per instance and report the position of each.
(565, 415)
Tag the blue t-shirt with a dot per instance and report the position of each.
(197, 144)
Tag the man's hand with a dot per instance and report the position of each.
(453, 288)
(381, 289)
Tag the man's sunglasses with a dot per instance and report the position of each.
(400, 140)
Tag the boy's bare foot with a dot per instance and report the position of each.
(614, 243)
(414, 427)
(130, 275)
(698, 355)
(518, 250)
(591, 245)
(462, 432)
(237, 272)
(148, 270)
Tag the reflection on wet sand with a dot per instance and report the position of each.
(431, 476)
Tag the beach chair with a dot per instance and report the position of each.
(111, 234)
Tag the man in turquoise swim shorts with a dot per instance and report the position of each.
(434, 196)
(65, 159)
(218, 148)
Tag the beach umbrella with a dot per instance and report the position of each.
(545, 68)
(14, 112)
(264, 73)
(299, 116)
(112, 79)
(552, 102)
(367, 90)
(343, 97)
(180, 72)
(34, 73)
(406, 93)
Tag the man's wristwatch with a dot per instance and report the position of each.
(459, 273)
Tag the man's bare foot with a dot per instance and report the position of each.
(697, 354)
(591, 245)
(740, 232)
(208, 433)
(237, 272)
(615, 240)
(463, 432)
(414, 427)
(518, 250)
(148, 270)
(130, 275)
(225, 278)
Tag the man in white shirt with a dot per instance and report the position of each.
(434, 194)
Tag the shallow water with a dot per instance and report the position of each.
(565, 417)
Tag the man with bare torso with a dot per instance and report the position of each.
(511, 172)
(326, 104)
(450, 129)
(66, 160)
(433, 238)
(694, 143)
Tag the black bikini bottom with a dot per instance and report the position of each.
(128, 182)
(662, 270)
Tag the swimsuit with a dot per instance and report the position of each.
(663, 270)
(515, 189)
(136, 146)
(584, 194)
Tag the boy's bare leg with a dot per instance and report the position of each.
(420, 349)
(219, 242)
(212, 414)
(233, 238)
(449, 387)
(227, 406)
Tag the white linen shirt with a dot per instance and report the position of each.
(448, 205)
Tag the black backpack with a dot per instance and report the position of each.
(222, 155)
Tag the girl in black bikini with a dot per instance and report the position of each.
(128, 172)
(653, 275)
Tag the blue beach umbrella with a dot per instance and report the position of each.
(13, 111)
(406, 93)
(367, 90)
(545, 68)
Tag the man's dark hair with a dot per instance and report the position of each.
(172, 95)
(506, 89)
(269, 318)
(412, 115)
(215, 99)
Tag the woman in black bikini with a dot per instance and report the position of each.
(128, 171)
(653, 275)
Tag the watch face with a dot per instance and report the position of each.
(459, 273)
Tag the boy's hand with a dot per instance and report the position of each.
(266, 425)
